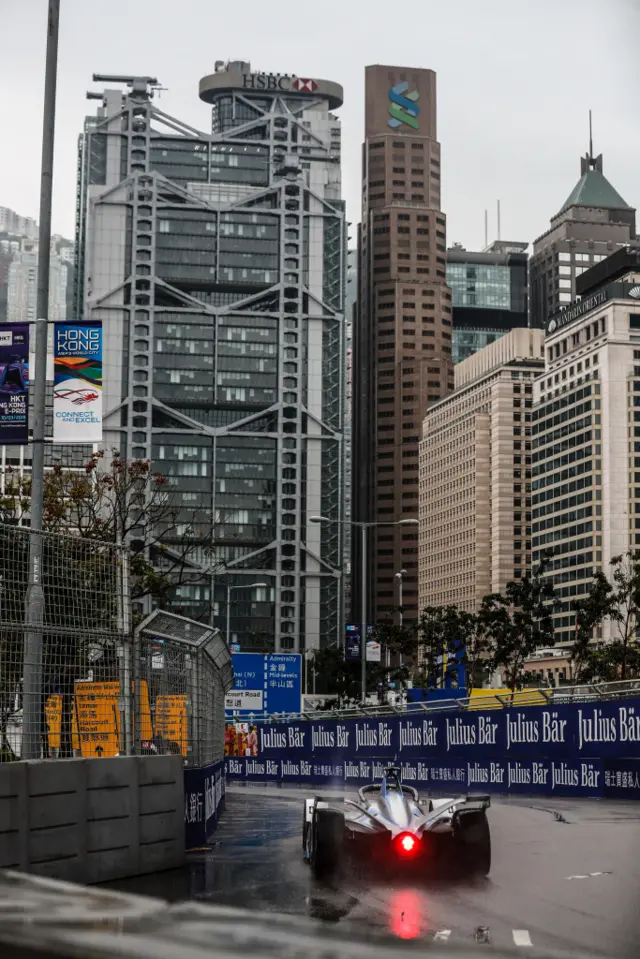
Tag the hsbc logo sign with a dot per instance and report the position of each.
(278, 81)
(304, 86)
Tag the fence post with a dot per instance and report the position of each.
(137, 698)
(195, 705)
(124, 627)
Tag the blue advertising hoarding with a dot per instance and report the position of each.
(582, 749)
(14, 384)
(203, 801)
(264, 685)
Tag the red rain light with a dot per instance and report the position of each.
(407, 843)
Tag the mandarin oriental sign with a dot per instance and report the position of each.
(278, 81)
(577, 310)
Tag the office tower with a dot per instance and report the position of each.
(9, 246)
(489, 294)
(592, 223)
(22, 285)
(475, 475)
(402, 332)
(11, 222)
(585, 443)
(216, 262)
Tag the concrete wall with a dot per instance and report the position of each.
(92, 820)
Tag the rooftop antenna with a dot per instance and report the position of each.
(498, 202)
(486, 228)
(590, 138)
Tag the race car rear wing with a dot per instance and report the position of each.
(484, 801)
(452, 805)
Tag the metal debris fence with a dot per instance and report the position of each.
(108, 687)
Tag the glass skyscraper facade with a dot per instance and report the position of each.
(488, 295)
(482, 286)
(217, 265)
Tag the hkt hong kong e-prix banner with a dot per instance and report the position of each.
(14, 384)
(77, 383)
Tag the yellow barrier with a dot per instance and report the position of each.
(96, 718)
(171, 720)
(488, 698)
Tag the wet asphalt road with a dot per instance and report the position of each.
(565, 875)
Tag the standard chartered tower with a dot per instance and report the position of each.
(216, 263)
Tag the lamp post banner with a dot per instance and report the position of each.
(14, 384)
(77, 383)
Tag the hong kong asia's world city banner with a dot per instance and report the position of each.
(77, 383)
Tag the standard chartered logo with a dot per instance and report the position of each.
(403, 107)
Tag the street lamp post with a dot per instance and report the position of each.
(400, 617)
(34, 610)
(364, 528)
(399, 582)
(229, 588)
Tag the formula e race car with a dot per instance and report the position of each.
(390, 826)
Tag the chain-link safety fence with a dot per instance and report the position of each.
(182, 670)
(102, 687)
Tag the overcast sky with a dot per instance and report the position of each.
(515, 83)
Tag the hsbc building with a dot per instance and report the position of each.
(232, 78)
(226, 363)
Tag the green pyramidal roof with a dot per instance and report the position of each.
(593, 189)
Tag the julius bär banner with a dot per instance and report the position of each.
(77, 383)
(14, 384)
(577, 749)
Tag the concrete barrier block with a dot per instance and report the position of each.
(92, 820)
(10, 850)
(13, 780)
(112, 834)
(58, 842)
(109, 864)
(158, 856)
(46, 778)
(114, 803)
(157, 827)
(113, 773)
(155, 770)
(14, 816)
(66, 870)
(162, 798)
(49, 811)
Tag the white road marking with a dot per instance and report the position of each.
(521, 937)
(588, 875)
(442, 935)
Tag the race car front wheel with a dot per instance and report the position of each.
(327, 844)
(473, 841)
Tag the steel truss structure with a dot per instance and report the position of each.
(217, 264)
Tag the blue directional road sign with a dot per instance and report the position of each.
(264, 685)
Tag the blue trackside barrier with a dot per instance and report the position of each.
(569, 749)
(203, 802)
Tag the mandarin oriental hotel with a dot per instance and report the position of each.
(217, 263)
(585, 482)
